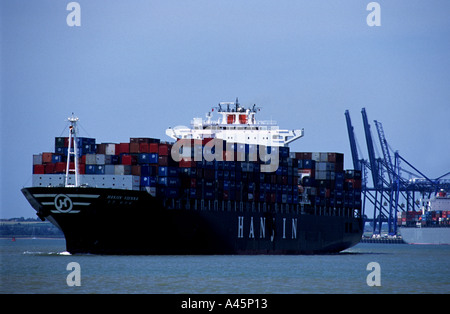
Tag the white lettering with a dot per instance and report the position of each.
(262, 227)
(74, 278)
(192, 304)
(251, 234)
(240, 227)
(265, 157)
(294, 228)
(374, 17)
(374, 278)
(284, 228)
(213, 150)
(74, 17)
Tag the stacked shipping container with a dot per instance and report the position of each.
(435, 218)
(311, 178)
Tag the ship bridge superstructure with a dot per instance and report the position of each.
(236, 124)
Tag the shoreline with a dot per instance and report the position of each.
(25, 237)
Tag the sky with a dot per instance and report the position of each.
(134, 68)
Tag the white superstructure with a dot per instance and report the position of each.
(236, 125)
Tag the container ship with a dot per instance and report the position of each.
(429, 226)
(225, 186)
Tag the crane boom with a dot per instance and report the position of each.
(351, 136)
(370, 149)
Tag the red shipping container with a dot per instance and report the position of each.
(38, 169)
(122, 148)
(101, 148)
(164, 149)
(144, 148)
(50, 168)
(126, 160)
(187, 163)
(136, 170)
(134, 147)
(153, 148)
(47, 157)
(193, 182)
(81, 168)
(163, 160)
(129, 160)
(303, 155)
(60, 167)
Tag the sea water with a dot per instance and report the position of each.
(43, 266)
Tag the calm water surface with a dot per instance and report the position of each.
(39, 266)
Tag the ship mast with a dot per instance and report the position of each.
(72, 139)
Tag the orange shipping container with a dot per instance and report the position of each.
(47, 157)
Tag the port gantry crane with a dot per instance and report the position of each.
(389, 195)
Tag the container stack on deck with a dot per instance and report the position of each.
(435, 218)
(146, 164)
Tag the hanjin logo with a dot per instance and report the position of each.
(63, 203)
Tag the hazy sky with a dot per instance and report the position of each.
(134, 68)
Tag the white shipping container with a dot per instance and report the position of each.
(91, 159)
(126, 182)
(110, 149)
(122, 169)
(323, 175)
(100, 159)
(37, 159)
(53, 180)
(315, 156)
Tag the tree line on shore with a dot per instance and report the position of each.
(28, 227)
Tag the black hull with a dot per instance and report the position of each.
(112, 221)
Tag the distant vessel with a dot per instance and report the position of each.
(429, 226)
(230, 186)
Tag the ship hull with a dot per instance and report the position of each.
(426, 235)
(113, 221)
